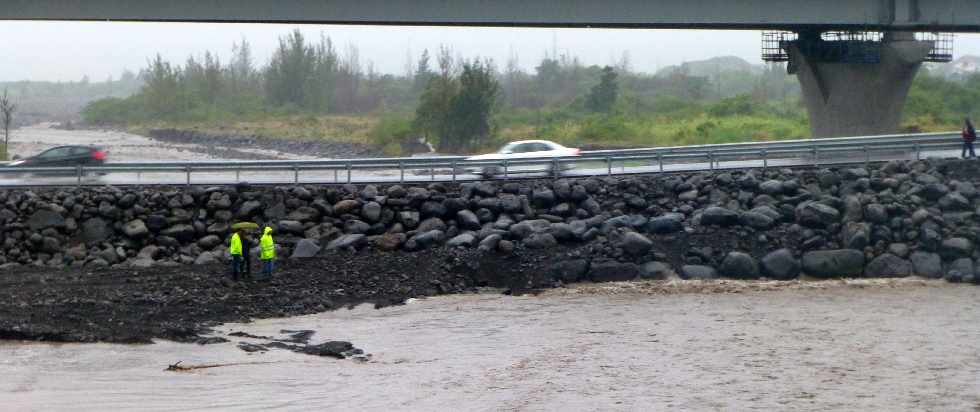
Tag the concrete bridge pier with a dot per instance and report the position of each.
(860, 90)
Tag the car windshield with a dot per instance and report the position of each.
(507, 149)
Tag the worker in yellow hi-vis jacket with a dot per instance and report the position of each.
(235, 249)
(268, 256)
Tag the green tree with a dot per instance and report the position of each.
(7, 108)
(602, 97)
(458, 110)
(472, 109)
(160, 87)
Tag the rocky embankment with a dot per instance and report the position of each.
(316, 148)
(391, 242)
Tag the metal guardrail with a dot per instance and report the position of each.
(812, 151)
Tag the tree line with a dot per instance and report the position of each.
(460, 103)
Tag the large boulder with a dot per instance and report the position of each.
(468, 220)
(425, 240)
(757, 220)
(856, 235)
(635, 243)
(409, 219)
(96, 230)
(876, 213)
(462, 240)
(698, 272)
(209, 242)
(543, 198)
(347, 206)
(569, 270)
(927, 264)
(739, 265)
(771, 187)
(888, 265)
(490, 243)
(960, 270)
(250, 208)
(432, 223)
(719, 216)
(833, 263)
(136, 229)
(665, 224)
(527, 227)
(304, 214)
(781, 265)
(306, 248)
(347, 241)
(612, 271)
(656, 271)
(818, 215)
(957, 247)
(183, 232)
(156, 223)
(291, 227)
(388, 241)
(540, 240)
(206, 258)
(43, 219)
(954, 201)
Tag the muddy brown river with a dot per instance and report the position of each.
(895, 345)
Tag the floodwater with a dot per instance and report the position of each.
(122, 147)
(842, 346)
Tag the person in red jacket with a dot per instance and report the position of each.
(969, 136)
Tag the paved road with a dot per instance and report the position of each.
(415, 175)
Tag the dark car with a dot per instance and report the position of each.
(64, 156)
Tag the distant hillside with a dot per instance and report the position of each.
(957, 69)
(713, 67)
(43, 101)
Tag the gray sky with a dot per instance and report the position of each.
(69, 50)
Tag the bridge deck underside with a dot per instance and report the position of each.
(918, 15)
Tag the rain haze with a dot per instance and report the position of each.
(67, 51)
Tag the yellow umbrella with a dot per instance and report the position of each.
(245, 226)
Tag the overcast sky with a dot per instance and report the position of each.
(68, 50)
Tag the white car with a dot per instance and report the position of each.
(524, 149)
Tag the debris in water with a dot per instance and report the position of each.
(249, 347)
(177, 367)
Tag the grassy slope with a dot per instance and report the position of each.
(589, 131)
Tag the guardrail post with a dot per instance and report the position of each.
(348, 172)
(506, 170)
(816, 156)
(867, 156)
(765, 160)
(608, 166)
(238, 174)
(454, 171)
(555, 171)
(78, 171)
(295, 174)
(401, 172)
(711, 161)
(918, 152)
(335, 178)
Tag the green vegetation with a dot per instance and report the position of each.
(7, 109)
(312, 90)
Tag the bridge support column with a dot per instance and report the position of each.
(856, 88)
